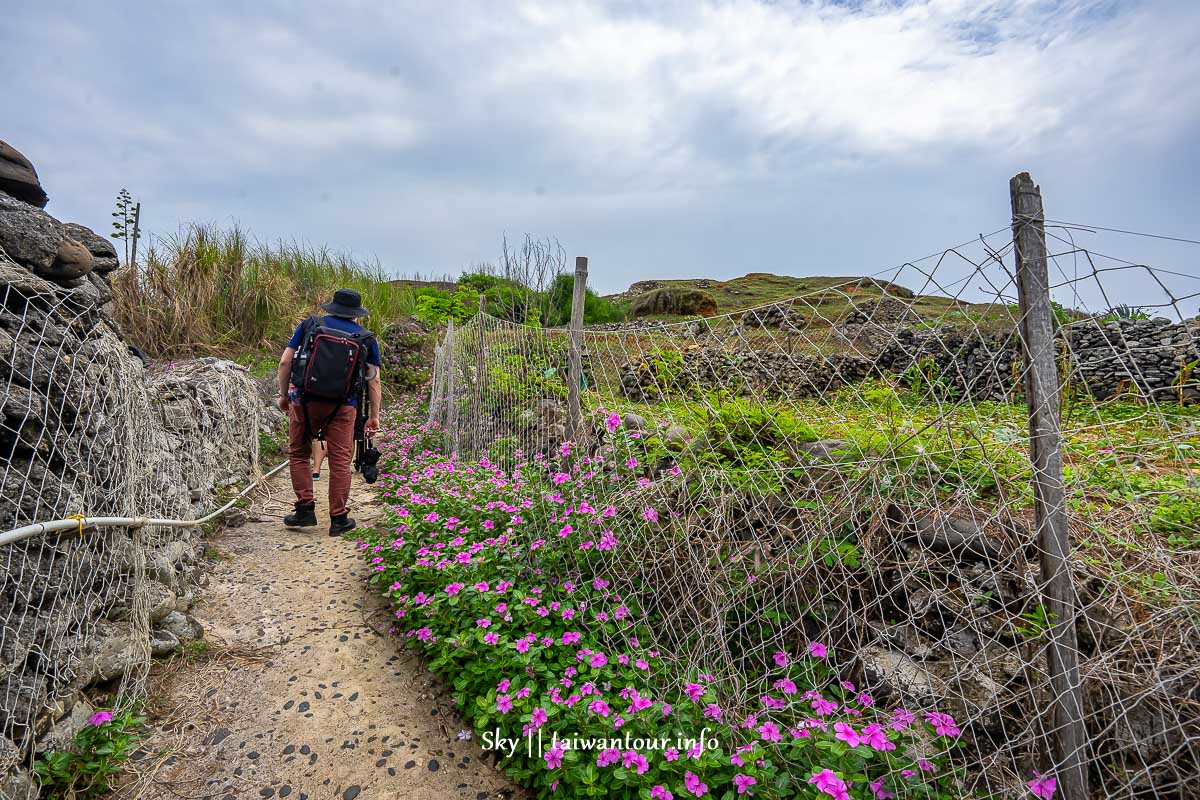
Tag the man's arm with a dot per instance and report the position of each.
(285, 371)
(375, 397)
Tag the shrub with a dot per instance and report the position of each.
(494, 576)
(90, 766)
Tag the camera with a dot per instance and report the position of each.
(368, 463)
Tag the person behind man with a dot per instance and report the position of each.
(308, 417)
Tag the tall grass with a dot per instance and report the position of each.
(213, 290)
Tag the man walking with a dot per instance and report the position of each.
(321, 374)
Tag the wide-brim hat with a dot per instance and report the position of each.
(346, 303)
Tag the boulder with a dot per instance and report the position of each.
(29, 236)
(163, 643)
(104, 254)
(185, 628)
(117, 653)
(72, 261)
(679, 302)
(18, 178)
(18, 785)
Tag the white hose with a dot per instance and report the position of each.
(38, 528)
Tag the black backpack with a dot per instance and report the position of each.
(330, 365)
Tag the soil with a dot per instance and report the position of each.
(299, 691)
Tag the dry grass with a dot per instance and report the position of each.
(214, 291)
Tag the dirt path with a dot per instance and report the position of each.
(301, 693)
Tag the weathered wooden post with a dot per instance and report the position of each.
(137, 234)
(451, 397)
(1050, 510)
(477, 426)
(575, 354)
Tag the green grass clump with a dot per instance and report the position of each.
(212, 290)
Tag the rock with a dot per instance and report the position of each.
(116, 654)
(163, 643)
(29, 236)
(18, 178)
(234, 517)
(72, 260)
(898, 677)
(828, 450)
(955, 536)
(182, 626)
(679, 302)
(634, 422)
(65, 729)
(18, 785)
(162, 570)
(104, 254)
(676, 436)
(161, 601)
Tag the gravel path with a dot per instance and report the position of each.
(301, 693)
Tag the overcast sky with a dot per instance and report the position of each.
(661, 139)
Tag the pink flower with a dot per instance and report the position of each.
(847, 734)
(539, 717)
(100, 717)
(636, 761)
(1042, 787)
(671, 754)
(880, 792)
(769, 732)
(608, 757)
(612, 421)
(901, 719)
(943, 724)
(661, 792)
(781, 658)
(503, 704)
(554, 758)
(694, 784)
(650, 514)
(694, 690)
(743, 783)
(817, 650)
(829, 783)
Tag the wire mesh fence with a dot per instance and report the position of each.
(852, 467)
(85, 429)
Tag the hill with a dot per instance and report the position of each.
(829, 298)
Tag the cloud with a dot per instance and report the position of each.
(423, 130)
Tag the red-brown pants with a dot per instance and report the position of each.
(339, 442)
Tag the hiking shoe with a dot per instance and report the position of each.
(341, 524)
(305, 516)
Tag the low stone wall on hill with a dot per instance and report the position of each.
(1153, 358)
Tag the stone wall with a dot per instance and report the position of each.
(87, 427)
(1153, 358)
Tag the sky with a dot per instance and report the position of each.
(660, 139)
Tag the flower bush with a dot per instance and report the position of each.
(92, 763)
(493, 574)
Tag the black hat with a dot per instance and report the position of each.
(346, 303)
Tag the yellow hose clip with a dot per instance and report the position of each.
(78, 518)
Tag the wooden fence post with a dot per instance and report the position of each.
(575, 354)
(137, 234)
(477, 425)
(451, 398)
(1069, 735)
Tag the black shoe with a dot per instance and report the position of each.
(305, 516)
(316, 476)
(341, 524)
